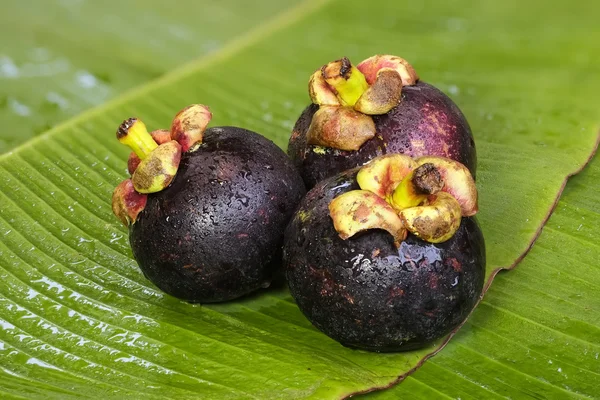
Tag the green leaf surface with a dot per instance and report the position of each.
(77, 318)
(60, 57)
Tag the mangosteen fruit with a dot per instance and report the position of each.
(206, 208)
(378, 107)
(388, 257)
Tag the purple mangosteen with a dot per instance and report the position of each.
(206, 208)
(378, 107)
(388, 256)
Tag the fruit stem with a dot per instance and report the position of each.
(133, 133)
(346, 79)
(416, 186)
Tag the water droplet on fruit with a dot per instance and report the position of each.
(301, 238)
(242, 198)
(341, 186)
(265, 284)
(246, 173)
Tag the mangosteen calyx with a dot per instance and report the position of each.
(349, 95)
(359, 210)
(206, 208)
(155, 157)
(427, 196)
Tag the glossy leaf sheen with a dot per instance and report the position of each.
(77, 317)
(60, 57)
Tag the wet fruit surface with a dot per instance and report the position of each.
(425, 122)
(365, 292)
(216, 232)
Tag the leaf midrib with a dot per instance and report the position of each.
(236, 45)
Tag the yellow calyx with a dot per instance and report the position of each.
(373, 87)
(382, 177)
(359, 210)
(405, 196)
(458, 182)
(436, 221)
(382, 95)
(320, 92)
(372, 65)
(133, 133)
(158, 170)
(189, 125)
(427, 197)
(348, 82)
(416, 186)
(340, 127)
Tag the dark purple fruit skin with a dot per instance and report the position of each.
(366, 293)
(216, 232)
(425, 123)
